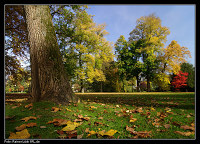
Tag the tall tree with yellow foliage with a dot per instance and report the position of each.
(86, 49)
(152, 34)
(171, 59)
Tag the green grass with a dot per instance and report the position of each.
(108, 106)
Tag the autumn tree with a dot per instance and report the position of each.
(179, 81)
(49, 80)
(151, 35)
(16, 38)
(171, 59)
(84, 48)
(187, 67)
(16, 43)
(123, 60)
(173, 56)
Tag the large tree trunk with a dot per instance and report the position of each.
(49, 79)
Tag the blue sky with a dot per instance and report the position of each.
(121, 20)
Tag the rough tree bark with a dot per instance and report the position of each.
(49, 79)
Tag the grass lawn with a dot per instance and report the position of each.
(106, 116)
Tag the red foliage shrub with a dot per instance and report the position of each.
(179, 81)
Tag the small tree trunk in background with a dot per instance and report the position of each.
(101, 86)
(148, 85)
(137, 83)
(49, 80)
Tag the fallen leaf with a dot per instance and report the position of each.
(184, 133)
(148, 113)
(133, 120)
(188, 116)
(130, 129)
(43, 127)
(86, 118)
(187, 127)
(59, 122)
(29, 105)
(80, 136)
(9, 117)
(169, 112)
(175, 123)
(62, 136)
(55, 109)
(80, 116)
(71, 135)
(87, 130)
(142, 134)
(158, 113)
(158, 130)
(71, 132)
(24, 134)
(192, 124)
(78, 120)
(93, 107)
(139, 110)
(100, 118)
(69, 127)
(168, 109)
(21, 127)
(28, 118)
(91, 133)
(98, 123)
(60, 132)
(167, 126)
(68, 110)
(31, 124)
(14, 107)
(102, 133)
(105, 111)
(110, 132)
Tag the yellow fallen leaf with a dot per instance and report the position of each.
(68, 110)
(69, 127)
(86, 118)
(91, 133)
(73, 123)
(110, 132)
(133, 120)
(20, 135)
(101, 132)
(55, 109)
(152, 109)
(93, 107)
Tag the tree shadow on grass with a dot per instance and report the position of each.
(179, 103)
